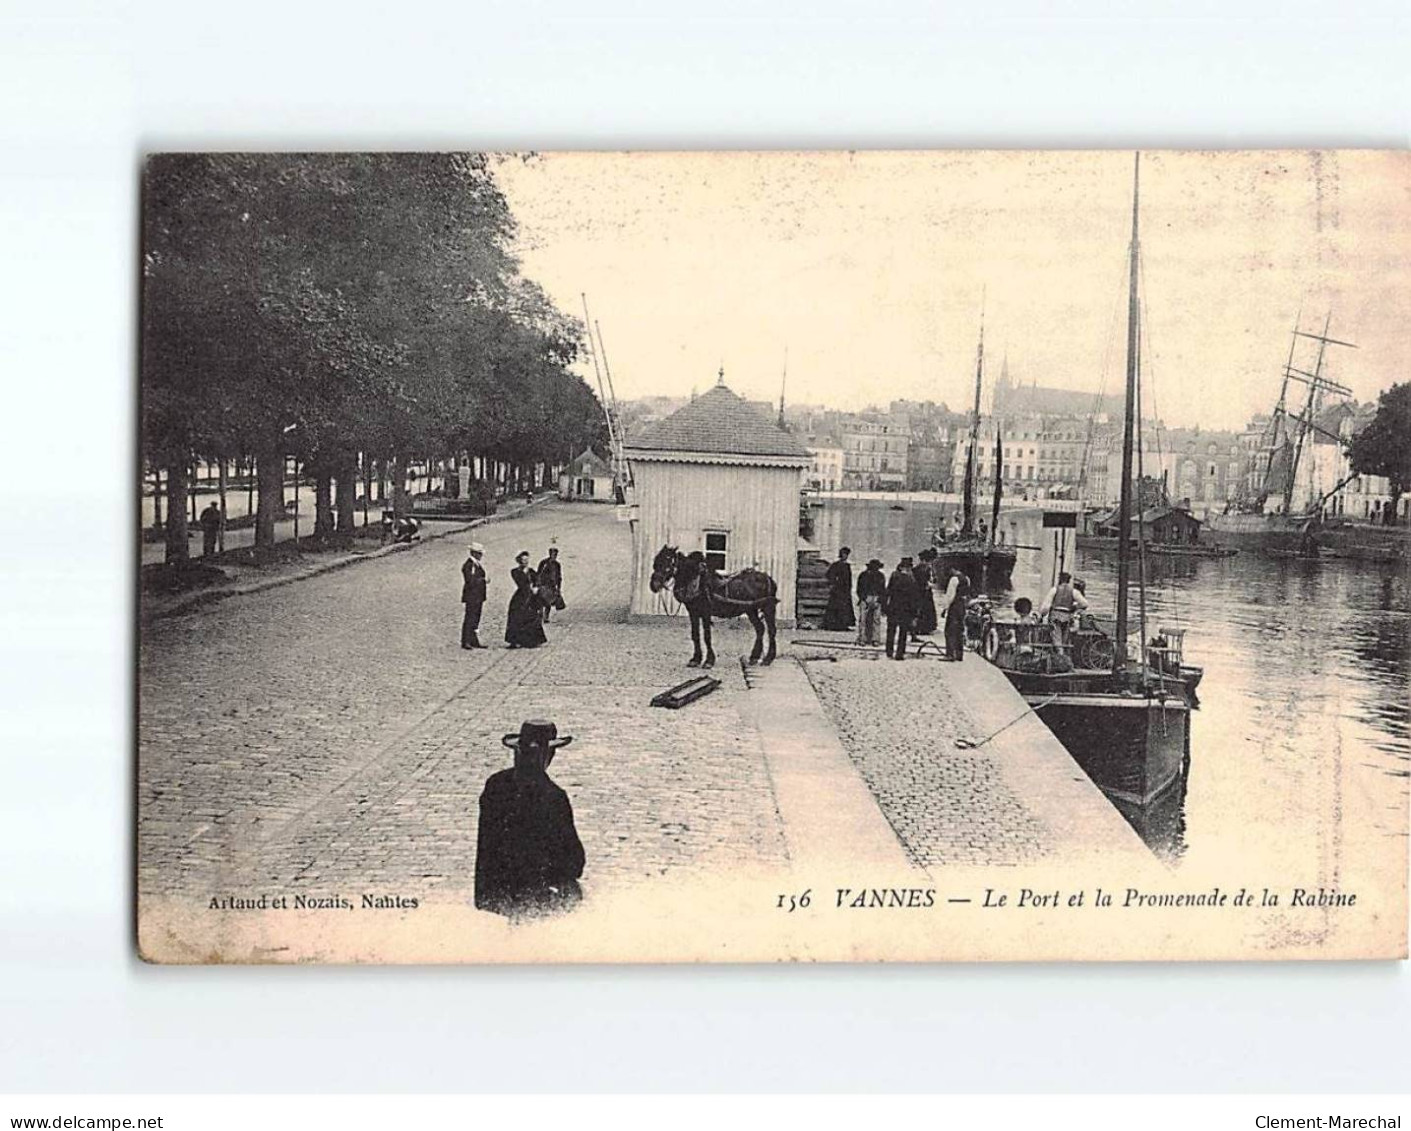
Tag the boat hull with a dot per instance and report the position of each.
(1156, 549)
(1133, 748)
(984, 568)
(1269, 533)
(1367, 543)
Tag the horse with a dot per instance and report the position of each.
(751, 592)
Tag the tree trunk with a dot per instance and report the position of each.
(367, 484)
(323, 504)
(178, 547)
(191, 493)
(1393, 511)
(399, 485)
(157, 499)
(220, 490)
(347, 493)
(269, 468)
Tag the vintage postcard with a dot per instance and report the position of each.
(739, 557)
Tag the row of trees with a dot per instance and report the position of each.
(343, 309)
(1384, 446)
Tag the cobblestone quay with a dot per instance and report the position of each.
(1016, 799)
(330, 738)
(331, 735)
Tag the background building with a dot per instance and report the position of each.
(825, 472)
(587, 479)
(875, 451)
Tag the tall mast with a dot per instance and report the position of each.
(1306, 420)
(999, 483)
(783, 382)
(608, 402)
(968, 522)
(1124, 521)
(1276, 422)
(619, 459)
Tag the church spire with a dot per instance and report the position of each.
(1002, 386)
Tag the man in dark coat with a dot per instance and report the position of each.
(550, 573)
(210, 529)
(871, 591)
(528, 858)
(838, 616)
(473, 595)
(903, 601)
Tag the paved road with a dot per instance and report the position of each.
(332, 732)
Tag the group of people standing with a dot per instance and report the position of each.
(907, 599)
(537, 593)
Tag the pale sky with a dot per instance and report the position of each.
(870, 269)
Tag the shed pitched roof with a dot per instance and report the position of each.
(1150, 515)
(590, 464)
(719, 422)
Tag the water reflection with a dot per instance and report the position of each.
(1306, 703)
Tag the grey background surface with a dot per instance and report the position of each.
(88, 87)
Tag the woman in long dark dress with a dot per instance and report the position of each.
(523, 626)
(926, 618)
(838, 616)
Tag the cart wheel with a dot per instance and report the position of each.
(1098, 653)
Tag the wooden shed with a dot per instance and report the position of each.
(1168, 526)
(718, 476)
(587, 479)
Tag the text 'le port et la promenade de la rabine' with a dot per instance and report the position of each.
(1024, 898)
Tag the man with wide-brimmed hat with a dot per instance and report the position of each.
(528, 857)
(473, 587)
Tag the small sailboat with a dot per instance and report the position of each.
(984, 562)
(1123, 713)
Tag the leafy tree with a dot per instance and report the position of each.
(323, 306)
(1384, 446)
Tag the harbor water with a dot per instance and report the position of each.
(1302, 740)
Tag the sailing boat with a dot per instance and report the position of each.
(983, 562)
(1274, 525)
(1125, 719)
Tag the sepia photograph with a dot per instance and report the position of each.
(837, 556)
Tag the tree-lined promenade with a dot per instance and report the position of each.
(354, 313)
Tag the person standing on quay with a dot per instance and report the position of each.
(871, 588)
(474, 584)
(926, 604)
(523, 628)
(902, 603)
(528, 857)
(838, 616)
(210, 529)
(957, 592)
(550, 574)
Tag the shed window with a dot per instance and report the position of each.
(715, 541)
